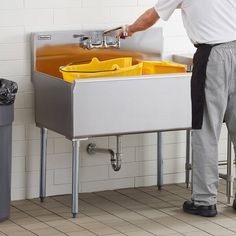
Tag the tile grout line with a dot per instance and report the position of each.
(129, 210)
(95, 218)
(161, 198)
(190, 223)
(168, 214)
(38, 204)
(218, 201)
(221, 213)
(116, 215)
(21, 225)
(2, 232)
(138, 212)
(141, 190)
(39, 220)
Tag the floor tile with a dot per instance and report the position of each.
(197, 233)
(21, 233)
(143, 211)
(33, 226)
(11, 228)
(139, 233)
(47, 231)
(81, 233)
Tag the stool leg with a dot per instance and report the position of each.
(43, 164)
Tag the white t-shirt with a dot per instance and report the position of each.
(206, 21)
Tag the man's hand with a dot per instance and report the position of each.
(125, 32)
(146, 20)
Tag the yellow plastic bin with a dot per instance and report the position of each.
(162, 67)
(96, 68)
(96, 65)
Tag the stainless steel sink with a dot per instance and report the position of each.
(105, 106)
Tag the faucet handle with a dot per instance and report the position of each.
(84, 41)
(111, 41)
(112, 30)
(97, 39)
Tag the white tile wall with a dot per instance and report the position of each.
(52, 4)
(20, 17)
(13, 4)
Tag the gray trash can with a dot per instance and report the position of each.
(8, 90)
(6, 119)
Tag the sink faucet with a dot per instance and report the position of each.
(99, 39)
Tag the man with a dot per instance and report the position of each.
(210, 25)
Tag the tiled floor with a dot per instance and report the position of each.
(131, 212)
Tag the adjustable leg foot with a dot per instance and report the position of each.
(74, 215)
(42, 199)
(234, 204)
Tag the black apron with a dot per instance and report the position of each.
(200, 60)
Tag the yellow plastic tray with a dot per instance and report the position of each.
(161, 67)
(96, 68)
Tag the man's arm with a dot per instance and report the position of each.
(146, 20)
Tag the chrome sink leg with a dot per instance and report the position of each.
(159, 161)
(188, 151)
(75, 177)
(43, 164)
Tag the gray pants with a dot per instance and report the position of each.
(220, 91)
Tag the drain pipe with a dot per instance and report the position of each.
(115, 157)
(116, 161)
